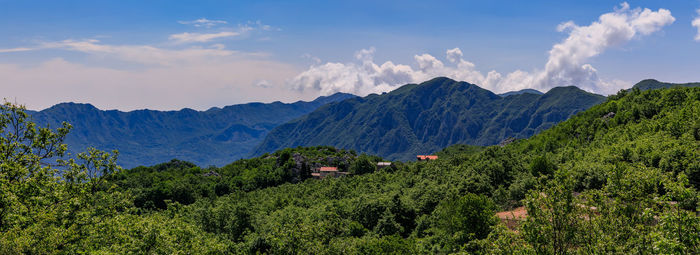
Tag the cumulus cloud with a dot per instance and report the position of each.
(696, 24)
(197, 37)
(565, 66)
(454, 55)
(203, 22)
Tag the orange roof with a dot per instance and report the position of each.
(328, 169)
(423, 157)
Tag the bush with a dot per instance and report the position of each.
(466, 218)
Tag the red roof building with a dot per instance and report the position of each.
(426, 157)
(328, 169)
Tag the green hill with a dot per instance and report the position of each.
(185, 182)
(654, 84)
(424, 118)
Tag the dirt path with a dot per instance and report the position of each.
(513, 217)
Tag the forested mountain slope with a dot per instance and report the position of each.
(146, 137)
(423, 118)
(623, 183)
(619, 178)
(531, 91)
(654, 84)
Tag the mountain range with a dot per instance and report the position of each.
(424, 118)
(146, 137)
(414, 119)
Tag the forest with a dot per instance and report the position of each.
(619, 178)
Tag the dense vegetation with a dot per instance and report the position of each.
(423, 118)
(185, 183)
(217, 136)
(621, 177)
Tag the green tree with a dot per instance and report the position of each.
(466, 218)
(387, 224)
(554, 218)
(40, 210)
(541, 166)
(362, 165)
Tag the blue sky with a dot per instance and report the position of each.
(200, 54)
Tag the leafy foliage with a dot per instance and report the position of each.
(185, 183)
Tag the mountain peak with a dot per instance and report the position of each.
(520, 92)
(563, 89)
(73, 106)
(654, 84)
(423, 118)
(337, 97)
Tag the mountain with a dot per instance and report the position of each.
(145, 137)
(531, 91)
(654, 84)
(423, 118)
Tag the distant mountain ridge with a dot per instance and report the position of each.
(216, 136)
(523, 91)
(424, 118)
(654, 84)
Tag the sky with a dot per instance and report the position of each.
(169, 55)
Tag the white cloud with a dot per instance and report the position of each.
(15, 50)
(143, 54)
(427, 62)
(565, 66)
(454, 55)
(262, 84)
(241, 30)
(566, 26)
(197, 37)
(313, 58)
(696, 24)
(366, 77)
(203, 22)
(259, 25)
